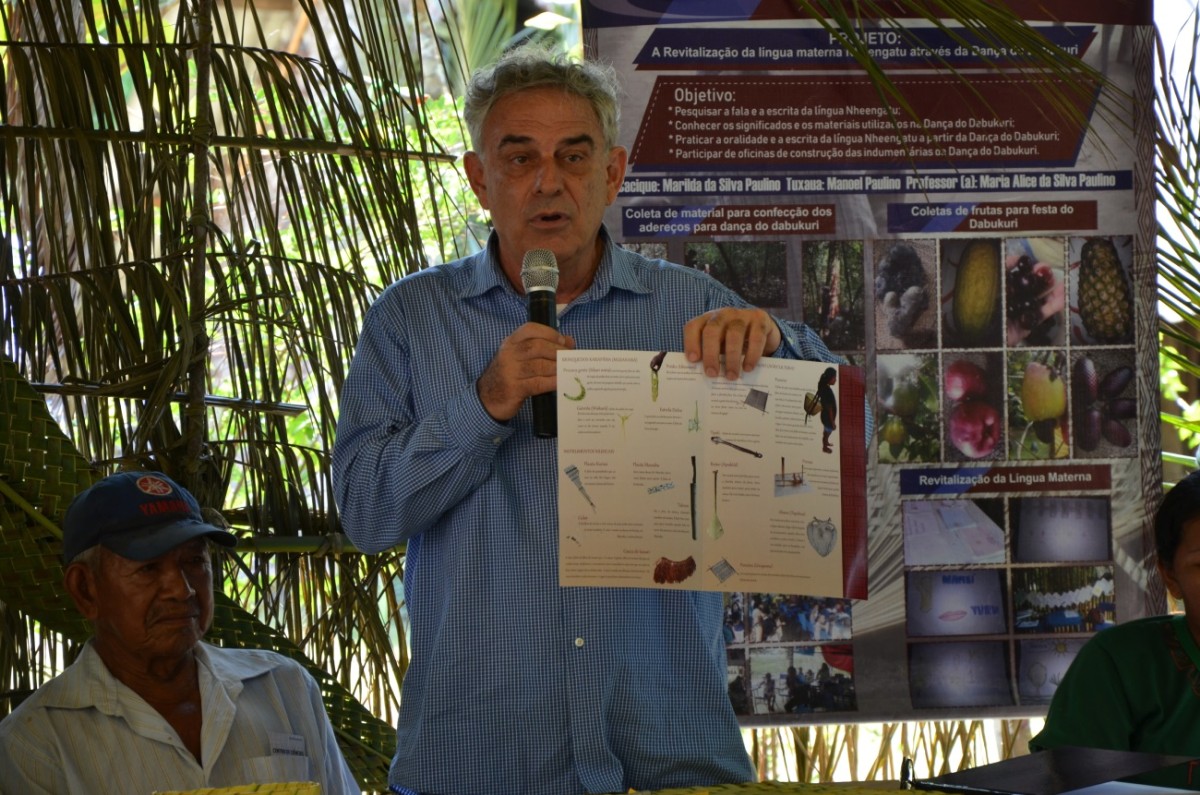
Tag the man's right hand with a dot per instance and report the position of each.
(526, 365)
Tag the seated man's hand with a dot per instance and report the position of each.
(743, 336)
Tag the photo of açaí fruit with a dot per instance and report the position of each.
(1103, 406)
(971, 301)
(1037, 405)
(905, 286)
(907, 408)
(1101, 294)
(973, 396)
(1035, 291)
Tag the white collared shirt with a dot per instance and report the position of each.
(85, 731)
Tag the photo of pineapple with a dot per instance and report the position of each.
(1102, 299)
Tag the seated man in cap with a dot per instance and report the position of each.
(147, 706)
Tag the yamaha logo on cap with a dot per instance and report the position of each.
(154, 486)
(158, 489)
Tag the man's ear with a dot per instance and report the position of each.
(80, 582)
(618, 161)
(473, 164)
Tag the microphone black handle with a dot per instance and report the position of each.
(542, 310)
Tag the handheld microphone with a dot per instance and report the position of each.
(539, 276)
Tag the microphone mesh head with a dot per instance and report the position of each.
(539, 270)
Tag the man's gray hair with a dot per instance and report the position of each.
(535, 67)
(90, 557)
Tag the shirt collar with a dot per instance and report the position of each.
(616, 270)
(94, 686)
(486, 273)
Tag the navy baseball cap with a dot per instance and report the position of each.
(138, 515)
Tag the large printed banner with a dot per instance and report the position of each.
(986, 256)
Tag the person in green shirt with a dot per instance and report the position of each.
(1136, 686)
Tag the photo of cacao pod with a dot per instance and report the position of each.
(972, 276)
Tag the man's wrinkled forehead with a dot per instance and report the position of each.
(553, 107)
(198, 546)
(512, 139)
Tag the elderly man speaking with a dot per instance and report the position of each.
(147, 705)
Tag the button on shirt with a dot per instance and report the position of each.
(517, 685)
(85, 731)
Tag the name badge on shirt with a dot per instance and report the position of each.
(287, 762)
(287, 744)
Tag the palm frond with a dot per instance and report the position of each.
(1177, 172)
(993, 32)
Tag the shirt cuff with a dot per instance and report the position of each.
(469, 426)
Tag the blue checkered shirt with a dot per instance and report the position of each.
(518, 685)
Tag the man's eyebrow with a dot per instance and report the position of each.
(518, 140)
(583, 138)
(513, 139)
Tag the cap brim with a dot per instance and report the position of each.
(150, 542)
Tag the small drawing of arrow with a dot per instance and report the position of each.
(719, 440)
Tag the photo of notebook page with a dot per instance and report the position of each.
(945, 603)
(945, 532)
(1060, 529)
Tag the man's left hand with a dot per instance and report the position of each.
(743, 336)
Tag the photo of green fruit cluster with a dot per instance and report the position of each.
(1037, 405)
(974, 403)
(906, 408)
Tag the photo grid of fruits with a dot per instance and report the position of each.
(1003, 351)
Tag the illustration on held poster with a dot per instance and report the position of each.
(670, 478)
(984, 262)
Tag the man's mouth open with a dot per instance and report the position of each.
(550, 219)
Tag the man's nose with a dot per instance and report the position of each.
(177, 582)
(549, 178)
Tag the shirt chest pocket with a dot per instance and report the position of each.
(277, 768)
